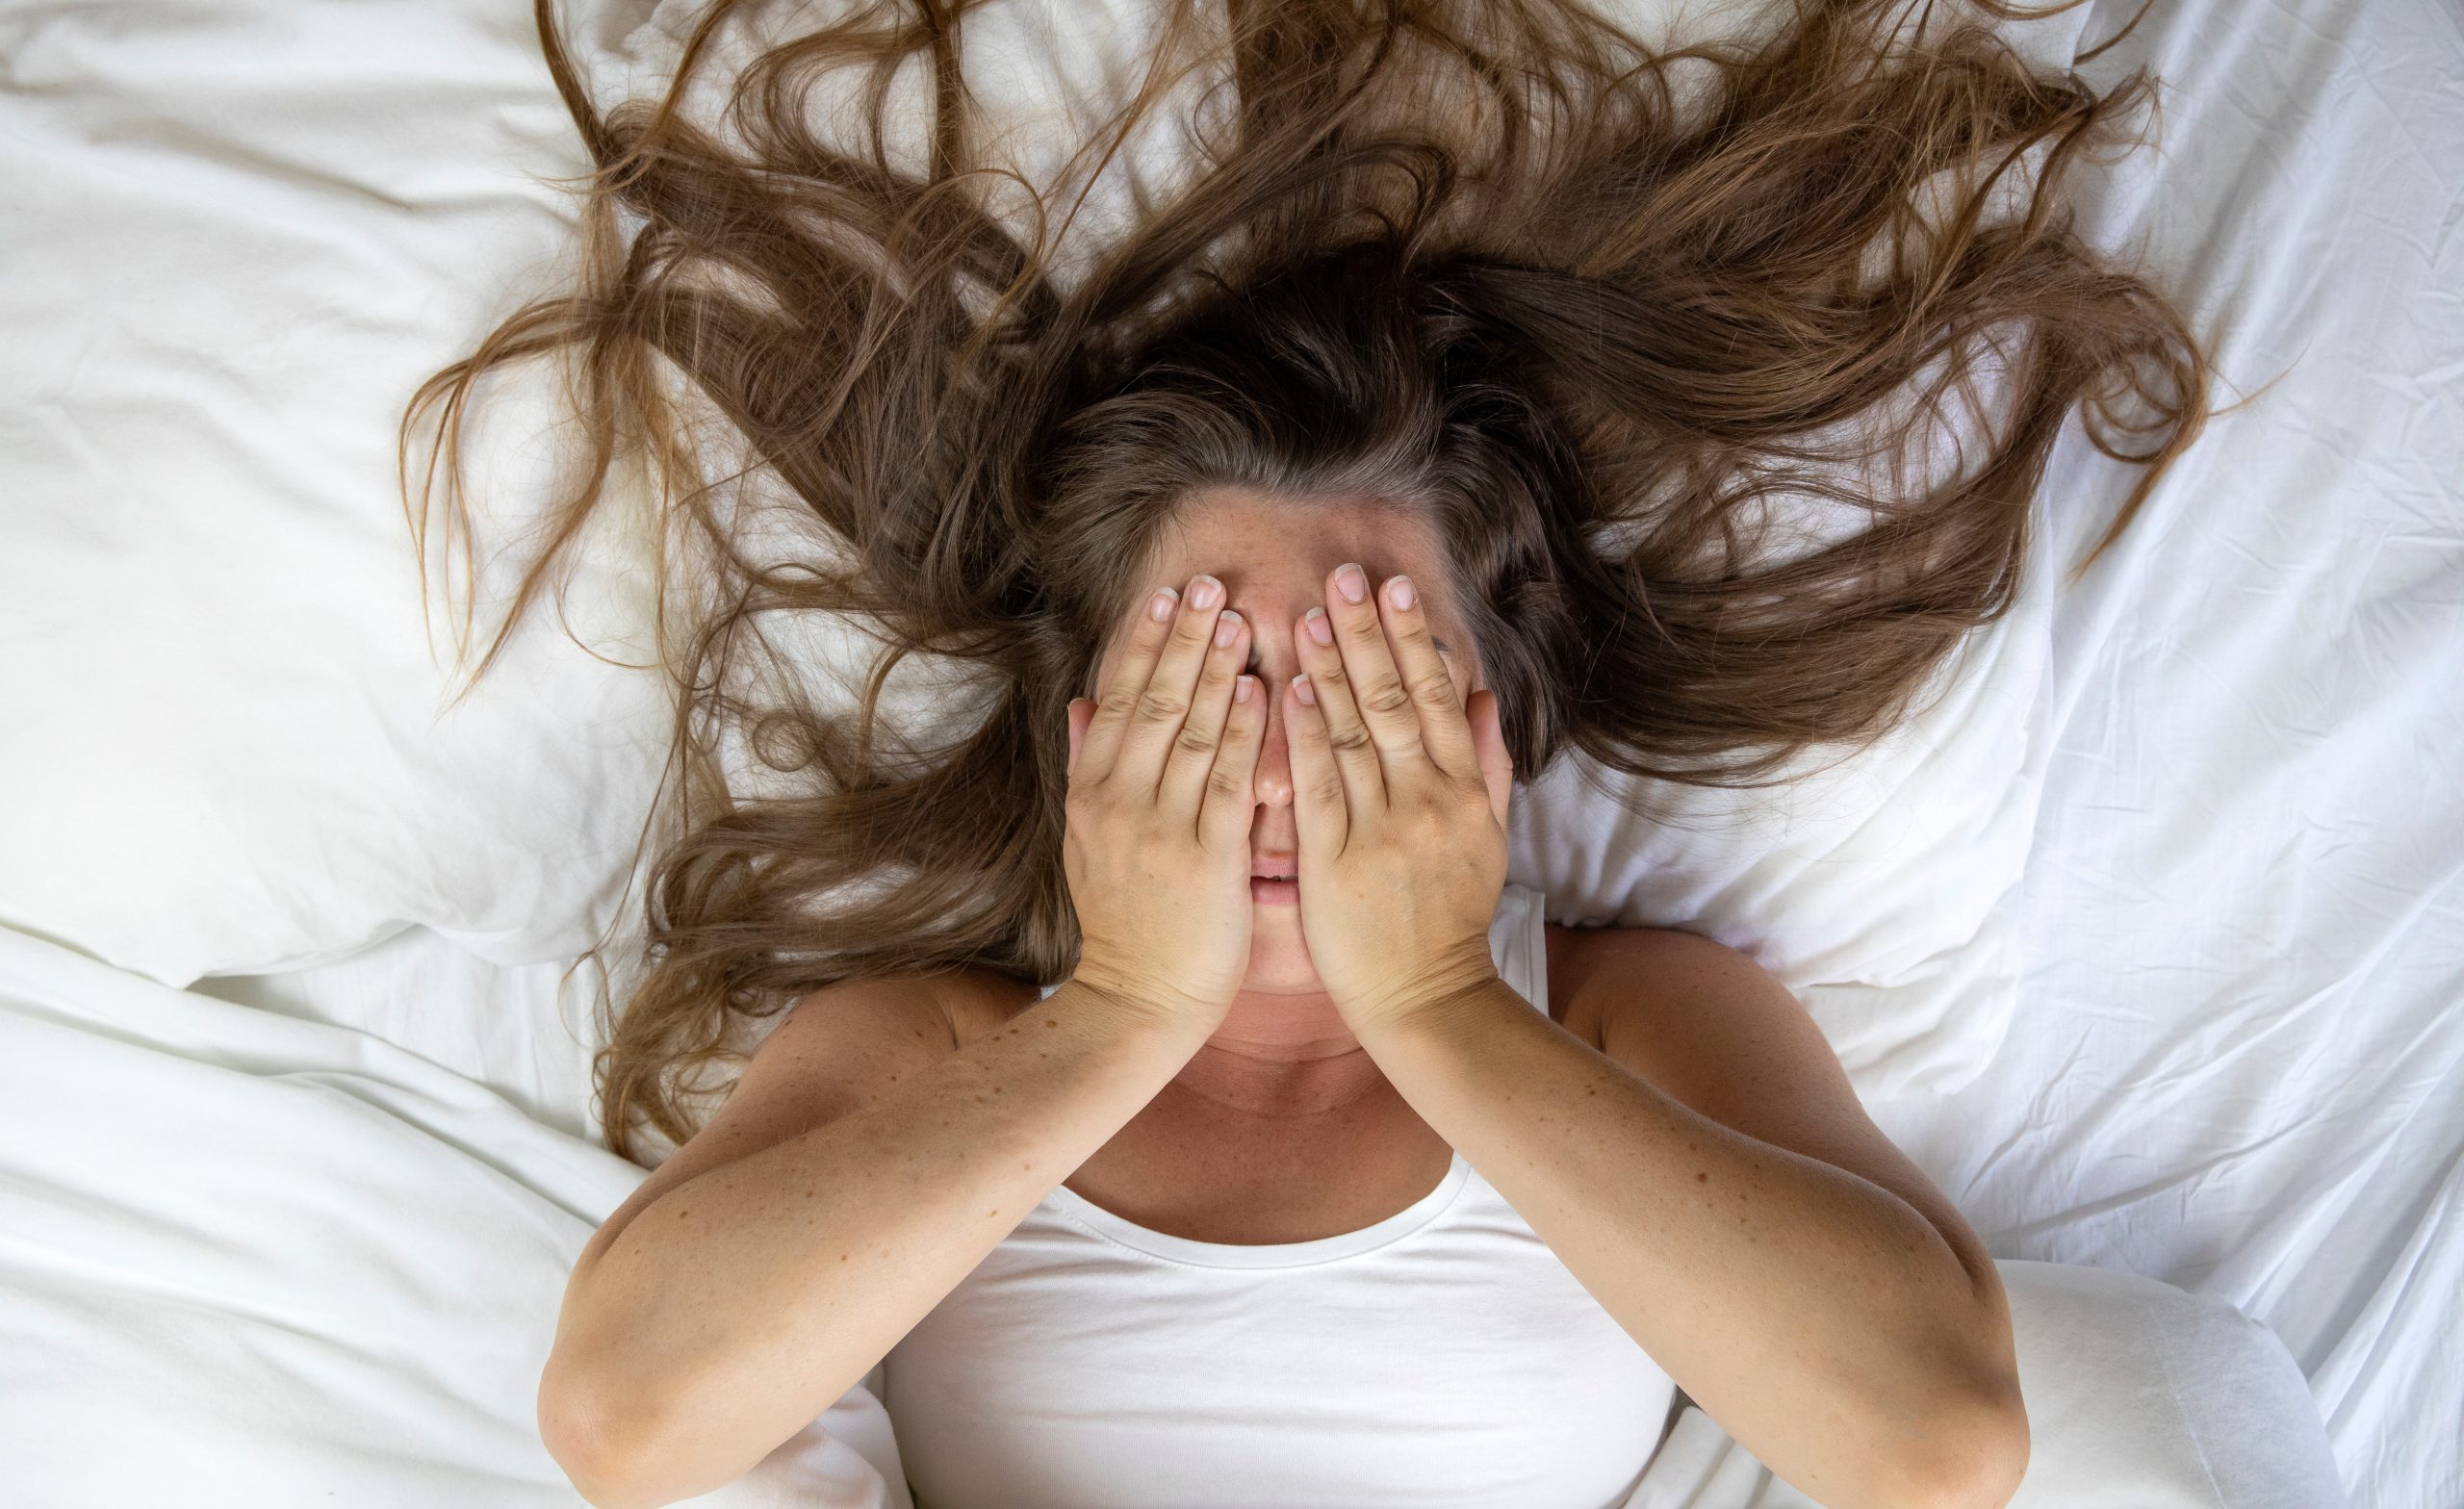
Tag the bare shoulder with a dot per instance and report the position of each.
(1590, 967)
(830, 1054)
(1721, 1034)
(1698, 1019)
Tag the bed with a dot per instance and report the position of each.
(2148, 942)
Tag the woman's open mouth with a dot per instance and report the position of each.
(1274, 880)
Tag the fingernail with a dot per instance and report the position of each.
(1399, 591)
(1227, 628)
(1206, 592)
(1318, 629)
(1159, 607)
(1303, 690)
(1242, 688)
(1353, 582)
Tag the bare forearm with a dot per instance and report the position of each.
(1818, 1317)
(742, 1304)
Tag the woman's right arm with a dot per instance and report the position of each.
(861, 1169)
(740, 1301)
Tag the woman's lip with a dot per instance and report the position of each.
(1274, 893)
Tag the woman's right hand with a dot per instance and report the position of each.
(1156, 847)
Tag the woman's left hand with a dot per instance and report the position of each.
(1400, 794)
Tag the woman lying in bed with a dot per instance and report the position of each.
(1152, 1118)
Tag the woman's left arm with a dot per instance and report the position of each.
(1701, 1164)
(1707, 1174)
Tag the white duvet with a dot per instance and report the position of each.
(2147, 947)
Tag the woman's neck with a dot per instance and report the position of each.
(1281, 1056)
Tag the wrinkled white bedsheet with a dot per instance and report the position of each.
(2236, 1063)
(305, 1263)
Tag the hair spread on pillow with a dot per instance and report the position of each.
(1605, 309)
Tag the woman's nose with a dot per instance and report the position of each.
(1273, 779)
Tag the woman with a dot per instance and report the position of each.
(1463, 391)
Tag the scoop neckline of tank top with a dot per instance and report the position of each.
(1085, 1212)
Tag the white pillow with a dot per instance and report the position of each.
(236, 244)
(2138, 1394)
(1883, 892)
(239, 245)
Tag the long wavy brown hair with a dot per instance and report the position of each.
(1604, 310)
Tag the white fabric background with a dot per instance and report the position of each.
(2190, 862)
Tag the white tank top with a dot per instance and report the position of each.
(1443, 1356)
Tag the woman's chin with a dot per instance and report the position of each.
(1278, 960)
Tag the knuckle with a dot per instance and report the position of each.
(1385, 696)
(1226, 782)
(1194, 740)
(1326, 789)
(1348, 738)
(1160, 705)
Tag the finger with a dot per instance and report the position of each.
(1320, 806)
(1444, 729)
(1193, 756)
(1488, 746)
(1353, 752)
(1377, 691)
(1146, 640)
(1163, 702)
(1082, 712)
(1231, 795)
(1445, 732)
